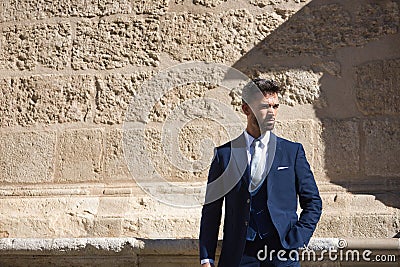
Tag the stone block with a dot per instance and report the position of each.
(169, 227)
(116, 42)
(267, 23)
(174, 99)
(167, 167)
(264, 3)
(187, 155)
(168, 261)
(364, 204)
(394, 227)
(333, 225)
(371, 226)
(299, 86)
(334, 26)
(27, 227)
(107, 227)
(336, 202)
(223, 37)
(382, 147)
(374, 20)
(114, 94)
(27, 157)
(377, 86)
(157, 7)
(43, 217)
(17, 10)
(301, 131)
(46, 99)
(115, 166)
(113, 206)
(320, 264)
(208, 3)
(80, 156)
(29, 46)
(339, 149)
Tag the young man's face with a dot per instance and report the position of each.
(261, 112)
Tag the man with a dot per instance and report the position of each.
(260, 176)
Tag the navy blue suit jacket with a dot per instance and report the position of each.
(284, 187)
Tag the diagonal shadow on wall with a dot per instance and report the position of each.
(355, 44)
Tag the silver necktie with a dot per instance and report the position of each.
(255, 166)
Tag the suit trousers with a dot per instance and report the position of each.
(268, 252)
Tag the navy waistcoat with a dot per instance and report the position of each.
(260, 219)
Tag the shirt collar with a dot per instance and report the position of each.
(264, 138)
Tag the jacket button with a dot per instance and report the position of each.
(248, 200)
(246, 223)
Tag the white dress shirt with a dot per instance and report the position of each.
(264, 139)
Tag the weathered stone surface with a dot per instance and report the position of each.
(12, 10)
(332, 202)
(176, 167)
(310, 31)
(371, 226)
(298, 86)
(333, 225)
(363, 203)
(338, 152)
(158, 7)
(80, 156)
(208, 3)
(107, 227)
(394, 227)
(46, 99)
(114, 95)
(117, 206)
(29, 46)
(115, 167)
(378, 87)
(73, 180)
(193, 141)
(304, 132)
(263, 3)
(266, 23)
(48, 216)
(220, 37)
(27, 157)
(334, 68)
(382, 147)
(115, 42)
(168, 226)
(375, 19)
(176, 97)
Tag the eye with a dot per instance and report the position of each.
(275, 106)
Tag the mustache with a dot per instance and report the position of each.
(269, 118)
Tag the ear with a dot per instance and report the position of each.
(246, 109)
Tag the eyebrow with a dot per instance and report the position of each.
(268, 105)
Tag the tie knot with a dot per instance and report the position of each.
(256, 142)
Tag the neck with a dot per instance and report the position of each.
(253, 132)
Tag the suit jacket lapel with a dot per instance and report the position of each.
(239, 155)
(274, 158)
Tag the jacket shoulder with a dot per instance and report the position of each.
(237, 142)
(288, 143)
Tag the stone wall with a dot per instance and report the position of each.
(70, 70)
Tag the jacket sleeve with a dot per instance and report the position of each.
(211, 216)
(310, 202)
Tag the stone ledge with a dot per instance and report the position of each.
(151, 252)
(58, 246)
